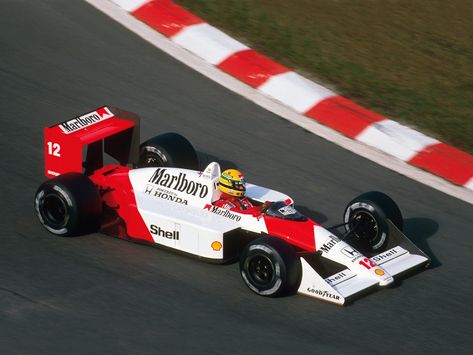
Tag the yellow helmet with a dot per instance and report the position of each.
(232, 182)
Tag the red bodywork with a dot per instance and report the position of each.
(121, 217)
(297, 233)
(105, 129)
(78, 145)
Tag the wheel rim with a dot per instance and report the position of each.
(260, 270)
(364, 225)
(54, 211)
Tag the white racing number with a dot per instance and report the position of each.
(54, 149)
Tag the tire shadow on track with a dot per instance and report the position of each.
(419, 230)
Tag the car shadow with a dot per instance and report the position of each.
(419, 230)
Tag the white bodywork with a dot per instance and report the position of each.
(199, 232)
(176, 206)
(361, 272)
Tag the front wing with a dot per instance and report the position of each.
(332, 282)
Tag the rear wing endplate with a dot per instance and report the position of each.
(106, 129)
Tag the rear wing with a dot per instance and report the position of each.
(78, 144)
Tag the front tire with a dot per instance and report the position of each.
(168, 149)
(366, 217)
(270, 267)
(68, 205)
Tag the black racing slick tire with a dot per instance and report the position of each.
(366, 217)
(270, 267)
(68, 205)
(168, 149)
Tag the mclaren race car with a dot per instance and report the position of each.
(157, 194)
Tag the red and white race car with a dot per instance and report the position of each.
(157, 194)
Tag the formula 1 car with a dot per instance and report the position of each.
(156, 194)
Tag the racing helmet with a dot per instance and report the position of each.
(232, 182)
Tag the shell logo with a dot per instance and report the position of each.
(216, 246)
(379, 272)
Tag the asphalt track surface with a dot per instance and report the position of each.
(97, 294)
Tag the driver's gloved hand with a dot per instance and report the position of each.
(265, 206)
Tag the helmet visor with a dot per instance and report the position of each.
(234, 185)
(239, 185)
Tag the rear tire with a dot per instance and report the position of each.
(168, 149)
(366, 216)
(270, 267)
(68, 205)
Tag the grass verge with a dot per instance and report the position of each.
(409, 60)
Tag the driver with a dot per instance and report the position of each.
(233, 187)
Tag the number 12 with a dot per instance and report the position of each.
(367, 263)
(54, 149)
